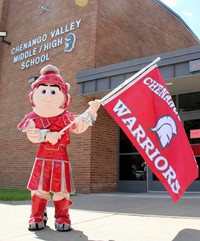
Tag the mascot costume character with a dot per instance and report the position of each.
(51, 172)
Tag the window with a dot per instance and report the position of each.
(131, 164)
(189, 102)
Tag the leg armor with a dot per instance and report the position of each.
(62, 222)
(38, 218)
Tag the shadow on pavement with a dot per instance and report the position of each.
(188, 235)
(49, 234)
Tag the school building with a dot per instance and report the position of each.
(96, 44)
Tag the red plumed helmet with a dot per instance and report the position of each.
(51, 75)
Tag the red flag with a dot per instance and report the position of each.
(145, 111)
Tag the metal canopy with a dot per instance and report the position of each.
(174, 67)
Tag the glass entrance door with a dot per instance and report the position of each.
(191, 122)
(132, 167)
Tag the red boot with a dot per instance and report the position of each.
(62, 222)
(38, 216)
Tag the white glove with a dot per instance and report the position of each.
(53, 137)
(94, 106)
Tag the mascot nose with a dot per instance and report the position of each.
(47, 97)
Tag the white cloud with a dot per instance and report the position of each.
(171, 3)
(187, 14)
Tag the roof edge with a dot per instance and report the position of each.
(169, 10)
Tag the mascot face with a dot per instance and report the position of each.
(48, 99)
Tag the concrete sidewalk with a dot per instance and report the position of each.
(111, 217)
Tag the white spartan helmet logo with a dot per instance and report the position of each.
(165, 129)
(70, 40)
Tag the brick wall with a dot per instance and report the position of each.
(17, 153)
(110, 32)
(129, 29)
(104, 159)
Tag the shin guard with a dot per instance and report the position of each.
(38, 216)
(62, 222)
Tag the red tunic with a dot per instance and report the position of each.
(51, 170)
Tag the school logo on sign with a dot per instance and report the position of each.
(70, 42)
(165, 129)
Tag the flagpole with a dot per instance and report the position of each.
(116, 90)
(71, 124)
(129, 80)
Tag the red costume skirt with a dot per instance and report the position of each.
(51, 174)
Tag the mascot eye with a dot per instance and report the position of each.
(43, 91)
(53, 92)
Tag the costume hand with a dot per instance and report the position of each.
(53, 137)
(94, 106)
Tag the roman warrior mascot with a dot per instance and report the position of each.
(51, 173)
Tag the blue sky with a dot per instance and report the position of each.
(189, 11)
